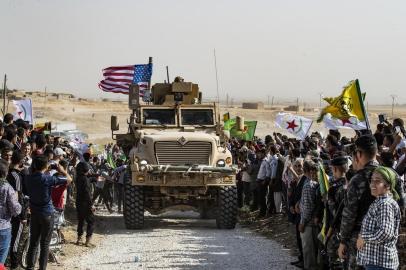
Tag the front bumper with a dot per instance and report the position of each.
(188, 176)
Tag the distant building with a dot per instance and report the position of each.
(64, 96)
(253, 105)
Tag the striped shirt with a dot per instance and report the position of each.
(308, 201)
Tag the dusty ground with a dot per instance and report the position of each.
(178, 240)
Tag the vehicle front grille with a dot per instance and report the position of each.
(190, 153)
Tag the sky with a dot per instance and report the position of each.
(283, 49)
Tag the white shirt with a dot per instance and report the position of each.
(264, 170)
(273, 165)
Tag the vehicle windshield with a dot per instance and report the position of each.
(197, 117)
(159, 117)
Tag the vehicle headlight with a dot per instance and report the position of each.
(221, 163)
(143, 165)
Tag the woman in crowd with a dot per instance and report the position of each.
(376, 242)
(9, 207)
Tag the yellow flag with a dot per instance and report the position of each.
(349, 104)
(226, 117)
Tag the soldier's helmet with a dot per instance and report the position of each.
(179, 79)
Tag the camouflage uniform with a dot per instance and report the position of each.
(356, 204)
(335, 198)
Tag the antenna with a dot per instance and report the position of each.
(167, 74)
(320, 96)
(217, 80)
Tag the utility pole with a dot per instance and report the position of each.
(227, 99)
(320, 97)
(4, 94)
(45, 99)
(217, 80)
(272, 101)
(393, 103)
(297, 105)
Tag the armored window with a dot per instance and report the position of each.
(159, 117)
(197, 117)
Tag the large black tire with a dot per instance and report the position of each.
(227, 208)
(133, 205)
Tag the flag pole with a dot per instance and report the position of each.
(149, 82)
(362, 105)
(4, 94)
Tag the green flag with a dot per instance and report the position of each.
(323, 181)
(246, 134)
(110, 160)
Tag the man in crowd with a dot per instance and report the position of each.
(358, 198)
(263, 182)
(39, 186)
(308, 227)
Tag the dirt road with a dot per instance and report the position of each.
(179, 240)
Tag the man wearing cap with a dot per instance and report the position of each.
(335, 199)
(358, 197)
(58, 153)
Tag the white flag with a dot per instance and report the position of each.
(23, 110)
(350, 123)
(294, 124)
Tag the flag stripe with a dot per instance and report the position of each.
(114, 90)
(114, 74)
(106, 82)
(120, 68)
(111, 86)
(113, 79)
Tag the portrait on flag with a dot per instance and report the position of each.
(23, 110)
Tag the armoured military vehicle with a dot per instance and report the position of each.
(177, 155)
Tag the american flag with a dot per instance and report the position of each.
(118, 79)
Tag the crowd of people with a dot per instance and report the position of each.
(41, 174)
(345, 196)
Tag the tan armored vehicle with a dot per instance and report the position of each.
(177, 156)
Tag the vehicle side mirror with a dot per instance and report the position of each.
(114, 123)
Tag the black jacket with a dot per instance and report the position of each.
(83, 191)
